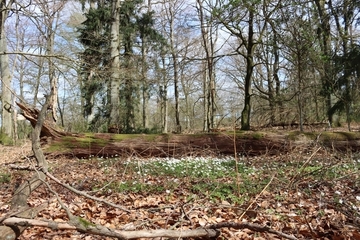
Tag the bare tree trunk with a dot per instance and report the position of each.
(166, 110)
(176, 92)
(163, 97)
(300, 93)
(40, 70)
(245, 114)
(273, 78)
(176, 72)
(205, 102)
(115, 66)
(144, 86)
(52, 75)
(144, 68)
(209, 78)
(7, 119)
(347, 16)
(325, 44)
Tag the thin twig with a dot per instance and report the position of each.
(267, 185)
(303, 167)
(310, 228)
(252, 226)
(70, 215)
(85, 194)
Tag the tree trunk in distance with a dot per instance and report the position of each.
(245, 114)
(176, 72)
(115, 67)
(324, 35)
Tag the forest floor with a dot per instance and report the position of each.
(310, 192)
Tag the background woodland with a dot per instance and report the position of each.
(180, 65)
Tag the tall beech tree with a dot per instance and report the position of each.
(326, 70)
(115, 77)
(7, 126)
(209, 33)
(151, 41)
(246, 21)
(172, 9)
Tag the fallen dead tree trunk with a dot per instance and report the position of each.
(210, 232)
(167, 145)
(204, 144)
(174, 145)
(163, 145)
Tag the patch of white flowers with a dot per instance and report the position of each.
(194, 166)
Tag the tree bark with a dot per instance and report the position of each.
(115, 66)
(163, 96)
(176, 70)
(324, 37)
(245, 114)
(209, 75)
(170, 145)
(7, 120)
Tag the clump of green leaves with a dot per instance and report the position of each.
(5, 140)
(5, 178)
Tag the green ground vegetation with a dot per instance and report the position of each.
(216, 178)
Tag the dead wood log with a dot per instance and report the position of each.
(210, 232)
(49, 128)
(168, 145)
(109, 232)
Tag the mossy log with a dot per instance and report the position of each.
(245, 143)
(206, 144)
(166, 145)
